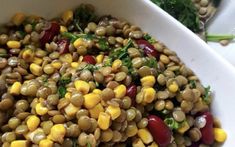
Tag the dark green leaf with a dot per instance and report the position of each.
(82, 16)
(192, 83)
(157, 2)
(206, 97)
(108, 62)
(216, 2)
(89, 67)
(149, 38)
(22, 33)
(103, 44)
(62, 86)
(88, 144)
(72, 37)
(74, 142)
(171, 123)
(62, 91)
(151, 62)
(183, 10)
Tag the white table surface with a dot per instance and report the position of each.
(224, 23)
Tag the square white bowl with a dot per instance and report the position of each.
(211, 68)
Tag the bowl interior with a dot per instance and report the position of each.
(207, 65)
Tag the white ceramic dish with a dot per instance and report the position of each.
(208, 65)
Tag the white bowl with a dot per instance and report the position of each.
(211, 68)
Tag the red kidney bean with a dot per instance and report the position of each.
(207, 130)
(131, 92)
(49, 32)
(63, 46)
(195, 144)
(147, 47)
(159, 130)
(89, 59)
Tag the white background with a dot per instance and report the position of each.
(224, 23)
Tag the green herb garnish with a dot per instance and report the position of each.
(192, 84)
(72, 37)
(123, 55)
(149, 38)
(88, 144)
(206, 97)
(171, 123)
(151, 62)
(82, 16)
(216, 2)
(182, 10)
(103, 44)
(62, 86)
(219, 37)
(90, 67)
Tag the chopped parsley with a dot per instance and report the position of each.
(151, 62)
(206, 97)
(82, 16)
(149, 38)
(62, 86)
(192, 84)
(103, 44)
(123, 55)
(182, 10)
(171, 123)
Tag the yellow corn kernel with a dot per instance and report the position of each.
(138, 143)
(37, 60)
(13, 44)
(20, 143)
(74, 65)
(220, 135)
(116, 64)
(131, 130)
(173, 87)
(28, 55)
(41, 100)
(40, 109)
(82, 86)
(145, 135)
(71, 110)
(18, 18)
(67, 16)
(103, 120)
(80, 42)
(45, 143)
(120, 91)
(148, 81)
(99, 58)
(153, 145)
(68, 95)
(94, 112)
(63, 29)
(33, 122)
(148, 94)
(36, 69)
(66, 58)
(97, 91)
(114, 111)
(31, 135)
(15, 88)
(184, 127)
(58, 132)
(56, 64)
(91, 100)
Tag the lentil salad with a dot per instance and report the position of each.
(82, 80)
